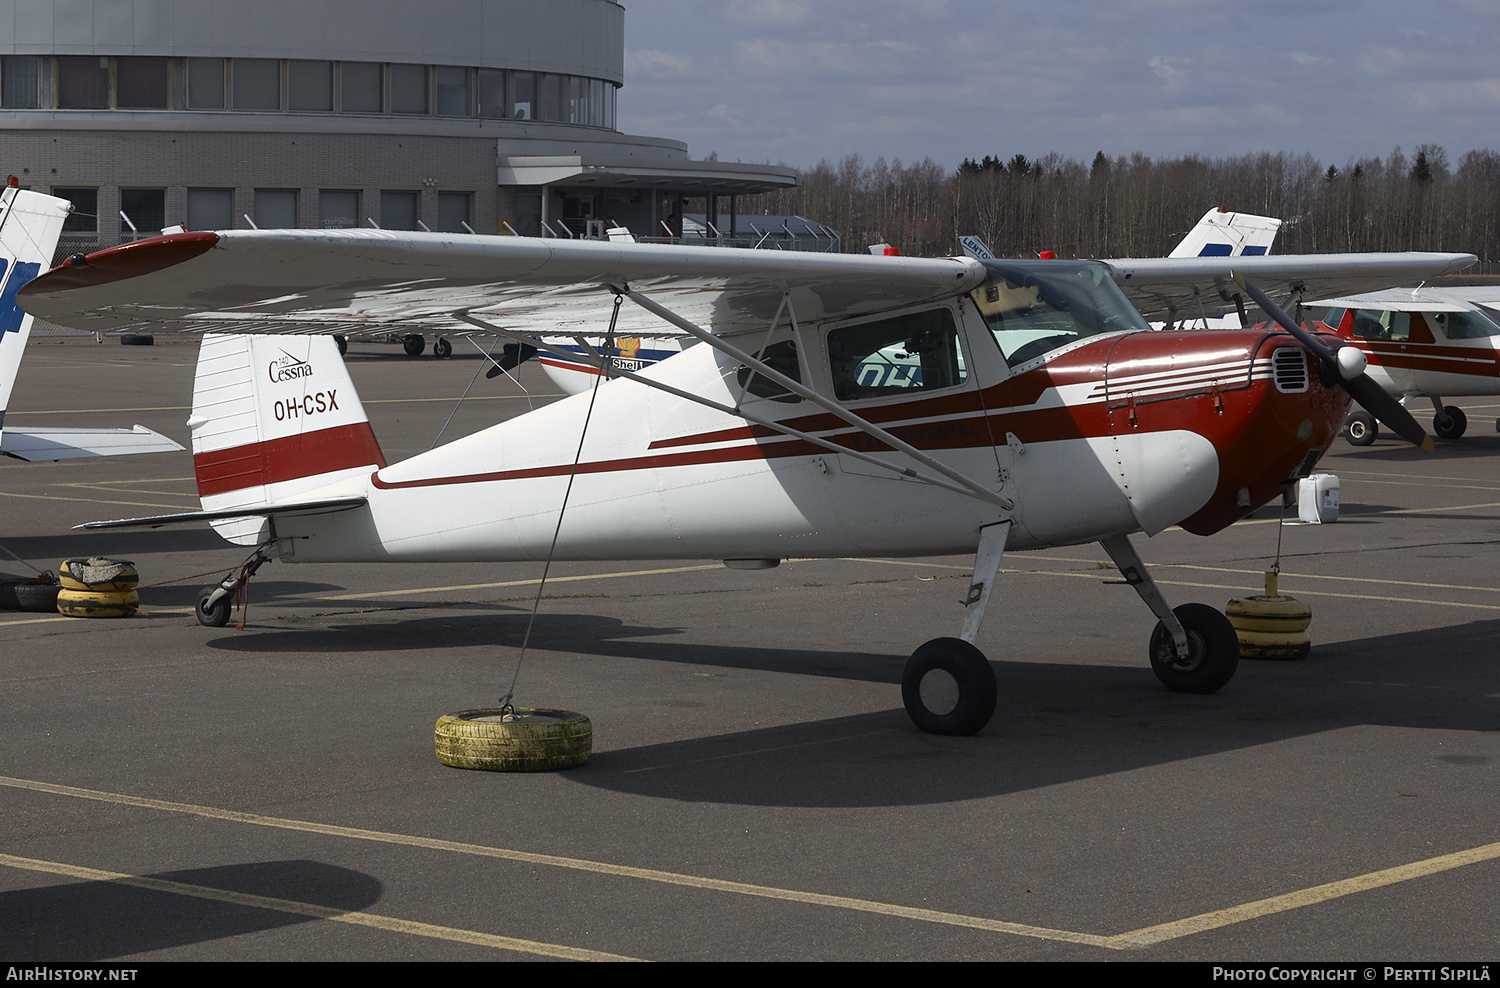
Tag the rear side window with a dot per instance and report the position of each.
(918, 351)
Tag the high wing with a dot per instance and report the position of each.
(367, 282)
(1421, 299)
(1179, 287)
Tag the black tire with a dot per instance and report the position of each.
(29, 595)
(1214, 651)
(533, 741)
(212, 617)
(343, 344)
(1451, 424)
(948, 687)
(442, 349)
(1360, 429)
(137, 339)
(414, 344)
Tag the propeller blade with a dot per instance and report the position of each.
(513, 356)
(1371, 396)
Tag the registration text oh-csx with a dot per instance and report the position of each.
(311, 404)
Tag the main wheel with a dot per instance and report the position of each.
(212, 615)
(413, 345)
(1213, 651)
(441, 348)
(1451, 424)
(948, 687)
(1360, 429)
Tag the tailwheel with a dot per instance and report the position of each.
(1213, 651)
(1451, 423)
(949, 687)
(1360, 429)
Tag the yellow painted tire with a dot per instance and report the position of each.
(88, 604)
(535, 741)
(1266, 645)
(1270, 615)
(98, 575)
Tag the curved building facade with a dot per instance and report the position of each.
(485, 116)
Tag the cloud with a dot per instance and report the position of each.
(1168, 68)
(657, 64)
(761, 14)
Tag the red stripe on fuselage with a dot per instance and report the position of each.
(288, 458)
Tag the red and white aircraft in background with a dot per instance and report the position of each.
(1423, 342)
(1046, 412)
(30, 225)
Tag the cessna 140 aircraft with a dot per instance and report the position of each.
(30, 224)
(1432, 342)
(1046, 413)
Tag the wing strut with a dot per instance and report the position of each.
(605, 365)
(796, 387)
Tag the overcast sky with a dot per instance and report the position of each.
(796, 81)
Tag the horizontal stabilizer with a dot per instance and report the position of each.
(316, 507)
(46, 443)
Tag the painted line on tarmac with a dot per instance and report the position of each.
(1306, 897)
(386, 923)
(1304, 576)
(1144, 937)
(1301, 591)
(574, 864)
(91, 500)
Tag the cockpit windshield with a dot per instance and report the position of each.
(1035, 307)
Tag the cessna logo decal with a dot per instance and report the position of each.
(288, 368)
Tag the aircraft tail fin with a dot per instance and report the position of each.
(30, 225)
(275, 418)
(1221, 233)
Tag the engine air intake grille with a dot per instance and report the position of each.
(1289, 367)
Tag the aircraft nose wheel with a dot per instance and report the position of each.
(1360, 429)
(212, 613)
(1451, 424)
(1213, 651)
(948, 687)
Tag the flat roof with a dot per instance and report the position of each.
(677, 175)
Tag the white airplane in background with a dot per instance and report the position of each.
(1046, 413)
(30, 225)
(1219, 233)
(1423, 342)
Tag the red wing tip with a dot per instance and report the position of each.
(125, 261)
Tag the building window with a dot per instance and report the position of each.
(276, 209)
(210, 209)
(18, 81)
(453, 212)
(140, 82)
(555, 99)
(205, 84)
(363, 89)
(85, 215)
(338, 209)
(83, 82)
(492, 93)
(453, 91)
(609, 105)
(143, 212)
(525, 105)
(257, 83)
(596, 102)
(409, 89)
(309, 85)
(398, 210)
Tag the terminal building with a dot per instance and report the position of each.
(464, 116)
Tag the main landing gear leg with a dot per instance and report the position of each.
(948, 686)
(1194, 648)
(214, 603)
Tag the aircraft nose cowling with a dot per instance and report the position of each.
(1208, 426)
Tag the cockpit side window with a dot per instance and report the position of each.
(1035, 307)
(1466, 325)
(782, 358)
(918, 351)
(1382, 324)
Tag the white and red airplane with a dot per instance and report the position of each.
(1423, 342)
(1046, 413)
(30, 225)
